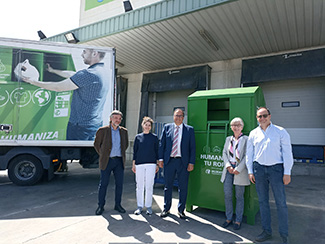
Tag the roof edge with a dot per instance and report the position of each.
(139, 17)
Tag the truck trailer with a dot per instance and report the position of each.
(53, 98)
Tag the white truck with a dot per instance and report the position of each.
(53, 98)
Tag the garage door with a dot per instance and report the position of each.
(298, 106)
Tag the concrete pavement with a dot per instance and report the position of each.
(62, 211)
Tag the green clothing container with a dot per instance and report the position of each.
(210, 113)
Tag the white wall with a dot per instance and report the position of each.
(225, 74)
(132, 109)
(133, 103)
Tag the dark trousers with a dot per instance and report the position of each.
(173, 167)
(115, 165)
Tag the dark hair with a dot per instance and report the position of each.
(116, 112)
(259, 108)
(147, 119)
(176, 109)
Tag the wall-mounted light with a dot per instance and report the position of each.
(127, 6)
(170, 72)
(41, 35)
(117, 63)
(71, 38)
(206, 36)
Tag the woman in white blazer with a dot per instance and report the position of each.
(235, 172)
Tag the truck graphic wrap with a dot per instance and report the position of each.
(38, 113)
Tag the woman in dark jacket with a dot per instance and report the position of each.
(145, 165)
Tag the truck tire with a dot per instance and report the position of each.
(25, 170)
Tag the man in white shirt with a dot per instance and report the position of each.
(269, 161)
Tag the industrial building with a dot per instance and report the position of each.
(167, 49)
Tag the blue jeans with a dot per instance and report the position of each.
(82, 132)
(265, 176)
(228, 190)
(115, 165)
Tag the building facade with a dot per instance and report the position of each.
(278, 45)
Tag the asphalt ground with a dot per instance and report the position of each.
(62, 211)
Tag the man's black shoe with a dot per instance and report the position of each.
(237, 226)
(226, 224)
(284, 239)
(263, 236)
(182, 215)
(164, 214)
(99, 210)
(119, 208)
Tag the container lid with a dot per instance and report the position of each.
(229, 92)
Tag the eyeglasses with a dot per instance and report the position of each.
(236, 125)
(263, 115)
(179, 116)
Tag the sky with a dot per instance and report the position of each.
(23, 18)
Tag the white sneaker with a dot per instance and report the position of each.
(149, 211)
(138, 211)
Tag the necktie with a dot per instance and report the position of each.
(175, 140)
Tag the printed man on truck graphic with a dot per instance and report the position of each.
(90, 88)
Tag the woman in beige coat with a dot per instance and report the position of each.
(235, 172)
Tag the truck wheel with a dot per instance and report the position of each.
(25, 170)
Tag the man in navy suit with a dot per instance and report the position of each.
(177, 156)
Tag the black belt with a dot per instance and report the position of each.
(175, 157)
(115, 157)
